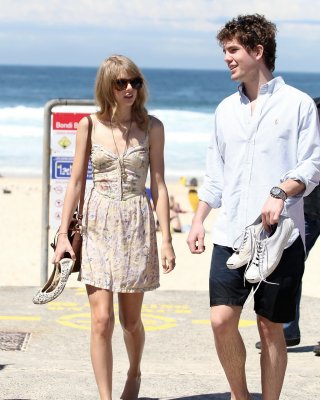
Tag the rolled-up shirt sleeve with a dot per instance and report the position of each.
(211, 190)
(308, 153)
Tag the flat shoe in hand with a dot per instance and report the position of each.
(56, 283)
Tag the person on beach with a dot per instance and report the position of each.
(174, 205)
(263, 157)
(175, 209)
(119, 252)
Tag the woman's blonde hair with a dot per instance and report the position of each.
(109, 71)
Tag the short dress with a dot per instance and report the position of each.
(119, 249)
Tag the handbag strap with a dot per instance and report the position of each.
(85, 169)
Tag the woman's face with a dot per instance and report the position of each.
(125, 89)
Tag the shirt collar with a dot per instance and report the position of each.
(269, 87)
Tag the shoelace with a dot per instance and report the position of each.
(244, 237)
(258, 263)
(253, 244)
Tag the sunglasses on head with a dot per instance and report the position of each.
(122, 84)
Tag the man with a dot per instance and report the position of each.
(265, 139)
(291, 329)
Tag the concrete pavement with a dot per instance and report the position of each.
(179, 359)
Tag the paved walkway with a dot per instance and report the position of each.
(179, 359)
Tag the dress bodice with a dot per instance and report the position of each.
(120, 178)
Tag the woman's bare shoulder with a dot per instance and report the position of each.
(155, 123)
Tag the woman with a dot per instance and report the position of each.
(119, 252)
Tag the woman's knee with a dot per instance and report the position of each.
(130, 325)
(103, 323)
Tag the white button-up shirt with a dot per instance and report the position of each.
(249, 153)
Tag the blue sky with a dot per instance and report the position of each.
(154, 33)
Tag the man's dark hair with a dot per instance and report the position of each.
(250, 31)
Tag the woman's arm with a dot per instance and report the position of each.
(73, 191)
(160, 193)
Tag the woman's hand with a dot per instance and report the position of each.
(63, 246)
(168, 258)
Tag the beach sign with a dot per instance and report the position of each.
(64, 120)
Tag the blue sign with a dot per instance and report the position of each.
(61, 168)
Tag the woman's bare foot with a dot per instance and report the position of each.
(131, 388)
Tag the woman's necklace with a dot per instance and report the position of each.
(121, 161)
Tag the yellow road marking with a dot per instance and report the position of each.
(246, 322)
(18, 318)
(58, 306)
(158, 322)
(201, 321)
(77, 321)
(151, 322)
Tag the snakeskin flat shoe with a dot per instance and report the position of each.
(56, 283)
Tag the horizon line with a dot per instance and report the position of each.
(145, 68)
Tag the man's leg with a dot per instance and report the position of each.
(230, 348)
(275, 304)
(273, 358)
(227, 296)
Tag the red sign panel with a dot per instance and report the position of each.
(66, 121)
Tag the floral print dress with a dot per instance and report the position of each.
(119, 250)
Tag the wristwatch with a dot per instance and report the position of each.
(278, 193)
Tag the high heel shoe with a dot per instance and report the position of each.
(56, 283)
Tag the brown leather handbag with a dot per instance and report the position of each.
(75, 226)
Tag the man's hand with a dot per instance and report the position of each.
(196, 238)
(271, 212)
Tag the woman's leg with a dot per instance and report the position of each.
(133, 332)
(102, 324)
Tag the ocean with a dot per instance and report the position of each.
(184, 100)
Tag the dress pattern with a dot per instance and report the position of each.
(119, 250)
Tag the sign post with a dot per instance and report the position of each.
(61, 119)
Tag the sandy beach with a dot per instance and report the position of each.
(20, 238)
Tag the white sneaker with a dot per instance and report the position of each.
(268, 252)
(244, 253)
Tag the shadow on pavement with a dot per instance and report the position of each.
(207, 396)
(301, 349)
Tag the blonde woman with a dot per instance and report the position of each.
(119, 253)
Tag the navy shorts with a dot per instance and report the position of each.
(277, 303)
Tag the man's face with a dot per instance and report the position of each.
(243, 65)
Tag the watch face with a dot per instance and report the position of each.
(278, 193)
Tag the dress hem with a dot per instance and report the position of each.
(119, 290)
